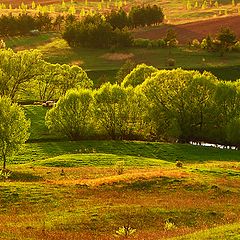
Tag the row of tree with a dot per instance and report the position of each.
(170, 105)
(12, 25)
(22, 24)
(26, 72)
(137, 16)
(96, 32)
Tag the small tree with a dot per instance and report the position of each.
(14, 128)
(227, 39)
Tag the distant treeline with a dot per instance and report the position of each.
(22, 24)
(112, 30)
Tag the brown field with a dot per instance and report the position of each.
(189, 31)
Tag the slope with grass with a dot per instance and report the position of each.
(90, 189)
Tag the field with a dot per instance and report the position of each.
(103, 64)
(90, 189)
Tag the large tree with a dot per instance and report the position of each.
(13, 128)
(72, 116)
(17, 70)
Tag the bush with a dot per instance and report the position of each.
(141, 43)
(171, 62)
(195, 43)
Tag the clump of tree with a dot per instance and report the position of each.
(141, 16)
(169, 105)
(95, 32)
(72, 116)
(22, 24)
(224, 41)
(25, 72)
(14, 128)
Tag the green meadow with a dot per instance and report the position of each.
(62, 189)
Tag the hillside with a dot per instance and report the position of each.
(189, 31)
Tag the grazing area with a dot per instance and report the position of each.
(90, 189)
(93, 189)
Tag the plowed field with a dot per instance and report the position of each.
(195, 30)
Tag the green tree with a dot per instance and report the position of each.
(227, 108)
(14, 128)
(17, 70)
(119, 111)
(125, 69)
(179, 103)
(138, 75)
(72, 77)
(227, 39)
(72, 115)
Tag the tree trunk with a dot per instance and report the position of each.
(4, 162)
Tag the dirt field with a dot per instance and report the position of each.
(189, 31)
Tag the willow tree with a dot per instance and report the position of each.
(17, 70)
(13, 128)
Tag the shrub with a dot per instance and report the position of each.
(171, 62)
(195, 43)
(141, 43)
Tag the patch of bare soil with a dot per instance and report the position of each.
(117, 56)
(194, 30)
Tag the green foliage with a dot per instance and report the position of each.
(227, 40)
(145, 15)
(125, 231)
(120, 111)
(86, 33)
(180, 102)
(125, 69)
(138, 75)
(72, 116)
(118, 19)
(17, 70)
(14, 128)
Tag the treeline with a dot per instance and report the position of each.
(22, 24)
(98, 31)
(25, 73)
(152, 104)
(147, 104)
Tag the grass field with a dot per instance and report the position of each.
(90, 189)
(102, 64)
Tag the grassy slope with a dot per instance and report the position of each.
(70, 190)
(227, 232)
(100, 68)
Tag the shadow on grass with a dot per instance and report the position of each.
(24, 177)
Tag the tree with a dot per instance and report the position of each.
(72, 115)
(179, 103)
(13, 128)
(125, 69)
(119, 111)
(138, 75)
(17, 69)
(118, 19)
(171, 40)
(227, 39)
